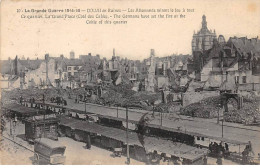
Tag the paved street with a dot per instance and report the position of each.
(206, 127)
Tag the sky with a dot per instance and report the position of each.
(35, 37)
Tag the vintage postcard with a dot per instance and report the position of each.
(120, 82)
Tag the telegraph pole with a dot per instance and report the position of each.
(218, 117)
(161, 118)
(45, 108)
(62, 104)
(85, 99)
(153, 110)
(127, 145)
(222, 126)
(117, 111)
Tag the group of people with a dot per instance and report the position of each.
(59, 101)
(155, 158)
(219, 151)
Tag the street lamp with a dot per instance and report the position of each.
(222, 121)
(45, 108)
(153, 110)
(222, 125)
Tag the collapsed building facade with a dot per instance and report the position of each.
(166, 73)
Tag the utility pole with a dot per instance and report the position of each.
(85, 98)
(117, 111)
(161, 118)
(222, 120)
(218, 117)
(62, 104)
(127, 145)
(153, 110)
(222, 126)
(11, 132)
(45, 108)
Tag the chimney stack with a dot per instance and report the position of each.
(152, 53)
(114, 52)
(46, 56)
(72, 55)
(164, 68)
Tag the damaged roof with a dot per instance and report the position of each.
(246, 45)
(5, 66)
(31, 64)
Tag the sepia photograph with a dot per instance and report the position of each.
(120, 82)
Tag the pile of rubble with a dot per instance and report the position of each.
(210, 107)
(148, 98)
(206, 108)
(248, 114)
(115, 95)
(123, 88)
(123, 95)
(172, 107)
(111, 97)
(76, 92)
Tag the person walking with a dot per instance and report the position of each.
(21, 100)
(245, 156)
(88, 142)
(76, 100)
(250, 148)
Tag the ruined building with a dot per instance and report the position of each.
(150, 79)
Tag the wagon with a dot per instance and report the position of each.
(47, 151)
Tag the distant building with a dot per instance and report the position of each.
(203, 39)
(73, 65)
(164, 72)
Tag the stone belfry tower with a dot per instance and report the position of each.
(203, 39)
(204, 23)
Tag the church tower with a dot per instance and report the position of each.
(203, 39)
